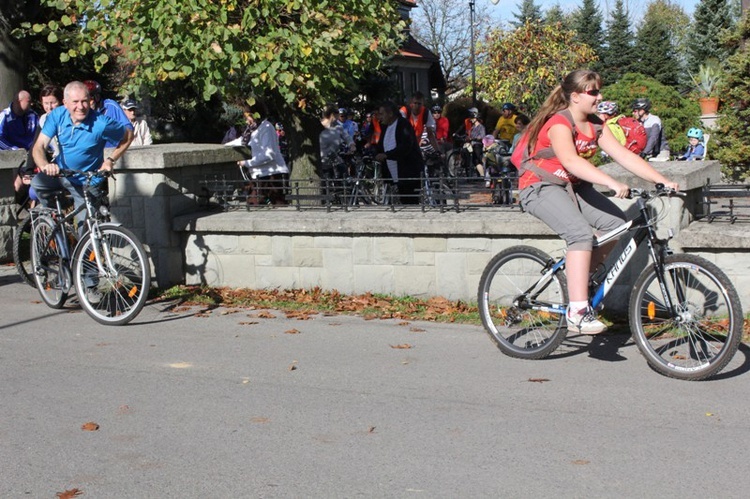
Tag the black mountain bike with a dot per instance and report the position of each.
(685, 314)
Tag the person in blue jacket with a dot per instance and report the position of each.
(18, 124)
(108, 107)
(696, 149)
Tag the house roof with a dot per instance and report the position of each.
(412, 49)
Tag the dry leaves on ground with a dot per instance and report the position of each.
(538, 380)
(291, 331)
(90, 426)
(68, 494)
(403, 346)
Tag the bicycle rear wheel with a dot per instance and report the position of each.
(51, 274)
(116, 295)
(455, 164)
(22, 251)
(521, 322)
(705, 333)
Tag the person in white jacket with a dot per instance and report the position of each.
(141, 132)
(266, 170)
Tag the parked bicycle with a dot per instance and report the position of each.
(685, 315)
(459, 162)
(107, 265)
(22, 236)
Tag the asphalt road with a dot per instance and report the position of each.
(227, 404)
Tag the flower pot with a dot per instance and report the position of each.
(709, 105)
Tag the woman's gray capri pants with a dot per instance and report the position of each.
(553, 205)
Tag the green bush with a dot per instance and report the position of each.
(677, 114)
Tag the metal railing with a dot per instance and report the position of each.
(347, 194)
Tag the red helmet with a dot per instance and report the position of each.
(94, 88)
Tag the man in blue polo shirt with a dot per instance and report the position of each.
(81, 134)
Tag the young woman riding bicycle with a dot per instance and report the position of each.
(556, 184)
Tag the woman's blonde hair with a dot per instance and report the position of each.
(559, 99)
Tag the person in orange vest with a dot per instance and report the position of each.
(420, 119)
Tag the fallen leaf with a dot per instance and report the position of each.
(537, 380)
(265, 315)
(709, 414)
(293, 365)
(292, 331)
(227, 312)
(249, 323)
(404, 323)
(124, 409)
(581, 461)
(103, 344)
(90, 426)
(203, 315)
(69, 493)
(371, 429)
(260, 420)
(403, 346)
(417, 330)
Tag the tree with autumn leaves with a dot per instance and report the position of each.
(296, 54)
(525, 64)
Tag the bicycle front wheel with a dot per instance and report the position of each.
(22, 251)
(51, 273)
(116, 293)
(521, 314)
(702, 334)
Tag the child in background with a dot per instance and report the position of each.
(522, 121)
(696, 150)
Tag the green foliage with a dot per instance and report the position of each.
(731, 140)
(524, 64)
(655, 47)
(587, 23)
(618, 56)
(711, 18)
(677, 114)
(300, 51)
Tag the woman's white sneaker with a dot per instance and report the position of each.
(584, 322)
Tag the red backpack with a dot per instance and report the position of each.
(635, 134)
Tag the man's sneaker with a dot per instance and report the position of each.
(584, 322)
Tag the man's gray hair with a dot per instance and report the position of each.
(75, 85)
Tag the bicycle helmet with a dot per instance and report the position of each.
(94, 88)
(473, 112)
(695, 133)
(508, 106)
(437, 109)
(342, 111)
(641, 103)
(607, 107)
(488, 140)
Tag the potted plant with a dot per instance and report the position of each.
(706, 86)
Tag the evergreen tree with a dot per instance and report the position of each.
(530, 12)
(555, 14)
(618, 56)
(587, 23)
(656, 52)
(711, 17)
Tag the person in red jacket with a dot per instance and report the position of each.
(441, 128)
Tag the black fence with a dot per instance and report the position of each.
(725, 202)
(345, 194)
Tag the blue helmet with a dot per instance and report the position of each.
(508, 106)
(695, 133)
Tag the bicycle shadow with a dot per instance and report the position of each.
(607, 347)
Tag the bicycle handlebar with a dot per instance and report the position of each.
(659, 190)
(89, 175)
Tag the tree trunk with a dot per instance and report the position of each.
(304, 151)
(12, 51)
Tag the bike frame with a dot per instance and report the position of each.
(637, 230)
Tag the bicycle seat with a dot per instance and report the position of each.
(51, 194)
